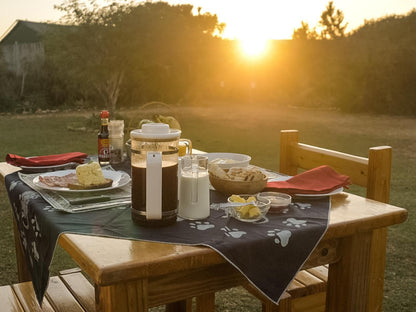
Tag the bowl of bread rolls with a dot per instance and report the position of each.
(237, 180)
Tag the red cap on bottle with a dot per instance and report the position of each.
(104, 114)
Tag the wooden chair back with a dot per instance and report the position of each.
(373, 173)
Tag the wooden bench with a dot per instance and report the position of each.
(308, 289)
(68, 292)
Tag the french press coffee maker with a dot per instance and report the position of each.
(154, 171)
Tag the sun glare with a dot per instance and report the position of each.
(253, 47)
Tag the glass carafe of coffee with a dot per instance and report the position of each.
(154, 171)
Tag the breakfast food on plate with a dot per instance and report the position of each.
(250, 211)
(236, 173)
(59, 181)
(87, 176)
(90, 176)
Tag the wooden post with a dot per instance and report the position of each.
(360, 271)
(205, 302)
(288, 142)
(129, 296)
(379, 173)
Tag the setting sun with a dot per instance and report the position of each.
(253, 46)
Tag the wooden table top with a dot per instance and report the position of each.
(108, 260)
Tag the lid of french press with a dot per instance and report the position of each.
(155, 131)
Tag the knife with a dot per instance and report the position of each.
(95, 199)
(101, 206)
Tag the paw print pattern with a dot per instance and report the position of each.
(303, 206)
(23, 239)
(282, 237)
(294, 222)
(202, 226)
(234, 233)
(13, 185)
(35, 252)
(35, 227)
(25, 199)
(286, 210)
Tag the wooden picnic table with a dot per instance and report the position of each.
(136, 275)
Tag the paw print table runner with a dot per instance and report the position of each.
(268, 253)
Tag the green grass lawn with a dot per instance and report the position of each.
(252, 130)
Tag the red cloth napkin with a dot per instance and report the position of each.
(320, 180)
(47, 160)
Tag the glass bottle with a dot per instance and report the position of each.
(116, 129)
(104, 140)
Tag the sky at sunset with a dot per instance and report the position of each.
(272, 19)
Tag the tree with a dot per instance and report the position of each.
(89, 54)
(151, 47)
(304, 32)
(331, 22)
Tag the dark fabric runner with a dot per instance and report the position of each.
(269, 254)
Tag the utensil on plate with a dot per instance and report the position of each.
(95, 199)
(230, 205)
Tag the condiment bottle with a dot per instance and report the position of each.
(116, 128)
(104, 140)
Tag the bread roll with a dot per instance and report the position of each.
(90, 176)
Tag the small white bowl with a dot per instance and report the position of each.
(278, 201)
(228, 160)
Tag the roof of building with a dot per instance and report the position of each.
(25, 32)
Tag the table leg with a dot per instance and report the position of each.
(129, 296)
(23, 273)
(355, 283)
(205, 302)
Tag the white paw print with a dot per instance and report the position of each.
(13, 185)
(234, 233)
(282, 237)
(35, 252)
(202, 226)
(295, 222)
(303, 206)
(35, 227)
(286, 210)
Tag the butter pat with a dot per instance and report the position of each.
(90, 174)
(249, 211)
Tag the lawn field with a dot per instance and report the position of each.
(248, 129)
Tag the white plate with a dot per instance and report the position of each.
(239, 160)
(119, 178)
(284, 178)
(35, 169)
(338, 190)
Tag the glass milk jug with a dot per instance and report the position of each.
(194, 187)
(154, 172)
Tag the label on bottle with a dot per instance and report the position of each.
(104, 150)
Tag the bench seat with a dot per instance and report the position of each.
(70, 291)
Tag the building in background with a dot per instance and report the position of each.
(21, 45)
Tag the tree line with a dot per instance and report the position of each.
(122, 56)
